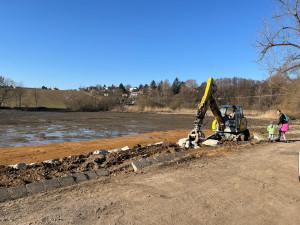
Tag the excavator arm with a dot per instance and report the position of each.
(207, 101)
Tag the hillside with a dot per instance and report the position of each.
(46, 98)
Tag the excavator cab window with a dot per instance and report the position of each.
(228, 112)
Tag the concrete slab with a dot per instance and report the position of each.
(35, 188)
(162, 158)
(91, 174)
(79, 177)
(51, 184)
(180, 154)
(17, 192)
(136, 165)
(144, 163)
(171, 156)
(4, 195)
(152, 160)
(66, 181)
(102, 172)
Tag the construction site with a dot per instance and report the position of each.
(150, 112)
(222, 170)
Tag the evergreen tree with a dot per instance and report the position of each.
(160, 86)
(121, 87)
(176, 86)
(146, 89)
(153, 85)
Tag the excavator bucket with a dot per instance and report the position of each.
(195, 138)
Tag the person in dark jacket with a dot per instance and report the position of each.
(284, 125)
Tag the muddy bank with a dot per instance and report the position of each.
(39, 153)
(114, 162)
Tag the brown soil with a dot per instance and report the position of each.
(114, 162)
(79, 163)
(39, 153)
(257, 185)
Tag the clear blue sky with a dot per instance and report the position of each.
(73, 43)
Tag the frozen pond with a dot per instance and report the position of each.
(34, 128)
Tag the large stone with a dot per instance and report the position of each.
(187, 144)
(51, 184)
(79, 177)
(51, 161)
(35, 188)
(91, 174)
(126, 148)
(18, 166)
(158, 143)
(4, 195)
(17, 192)
(78, 155)
(102, 172)
(66, 181)
(182, 142)
(211, 142)
(100, 152)
(258, 137)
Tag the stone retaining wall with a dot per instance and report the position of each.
(44, 186)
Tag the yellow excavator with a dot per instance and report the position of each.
(229, 120)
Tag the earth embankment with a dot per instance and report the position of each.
(258, 185)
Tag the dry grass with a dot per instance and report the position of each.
(56, 99)
(157, 110)
(47, 98)
(269, 114)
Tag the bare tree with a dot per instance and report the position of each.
(188, 91)
(6, 86)
(278, 40)
(36, 95)
(20, 92)
(166, 89)
(191, 83)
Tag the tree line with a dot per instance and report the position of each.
(274, 92)
(251, 94)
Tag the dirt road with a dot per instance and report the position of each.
(254, 186)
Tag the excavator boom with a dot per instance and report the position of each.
(208, 101)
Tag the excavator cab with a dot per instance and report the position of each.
(233, 119)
